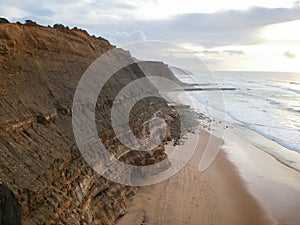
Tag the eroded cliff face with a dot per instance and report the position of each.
(41, 169)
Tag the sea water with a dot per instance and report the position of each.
(265, 102)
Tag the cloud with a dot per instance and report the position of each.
(72, 13)
(234, 52)
(225, 52)
(116, 21)
(210, 52)
(296, 4)
(289, 55)
(222, 28)
(125, 37)
(210, 30)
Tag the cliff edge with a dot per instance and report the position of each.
(43, 177)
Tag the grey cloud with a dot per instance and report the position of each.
(125, 37)
(233, 52)
(289, 55)
(225, 52)
(39, 11)
(210, 30)
(210, 52)
(125, 5)
(223, 28)
(110, 5)
(71, 13)
(232, 20)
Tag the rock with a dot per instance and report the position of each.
(3, 20)
(61, 26)
(10, 210)
(41, 165)
(30, 23)
(46, 118)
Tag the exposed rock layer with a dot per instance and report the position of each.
(41, 167)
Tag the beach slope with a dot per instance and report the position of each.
(216, 196)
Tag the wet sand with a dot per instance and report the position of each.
(217, 196)
(274, 184)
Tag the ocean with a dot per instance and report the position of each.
(265, 102)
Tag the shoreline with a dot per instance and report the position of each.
(275, 184)
(284, 155)
(218, 195)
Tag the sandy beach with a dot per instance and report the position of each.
(219, 195)
(275, 184)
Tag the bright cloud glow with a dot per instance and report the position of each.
(264, 57)
(289, 31)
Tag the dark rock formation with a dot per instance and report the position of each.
(3, 20)
(10, 210)
(40, 165)
(31, 23)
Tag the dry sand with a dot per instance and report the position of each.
(213, 197)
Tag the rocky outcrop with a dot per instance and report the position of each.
(3, 20)
(10, 210)
(44, 177)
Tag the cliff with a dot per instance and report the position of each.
(43, 177)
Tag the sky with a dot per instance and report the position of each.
(248, 35)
